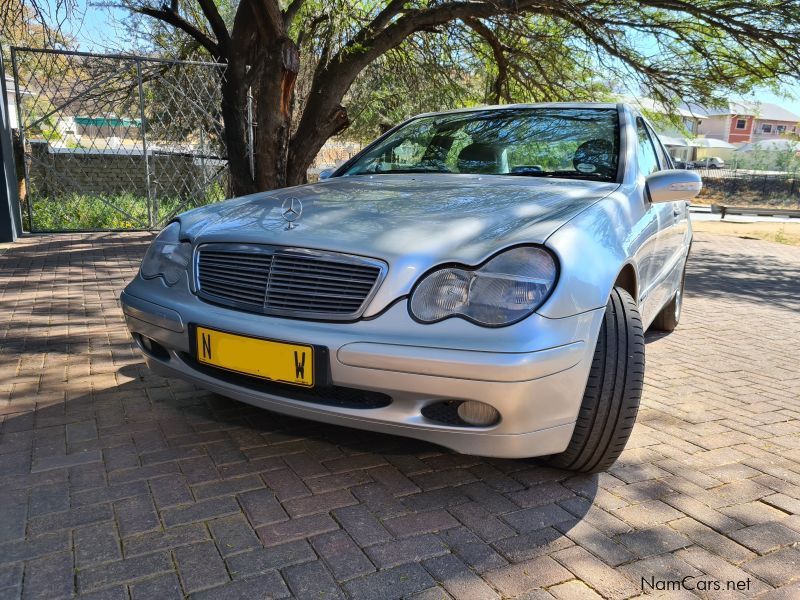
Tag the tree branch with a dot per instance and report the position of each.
(498, 51)
(215, 21)
(179, 22)
(291, 11)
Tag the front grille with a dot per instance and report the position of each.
(285, 281)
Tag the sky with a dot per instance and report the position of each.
(94, 31)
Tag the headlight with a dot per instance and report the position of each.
(506, 289)
(167, 257)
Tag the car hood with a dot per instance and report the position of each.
(412, 222)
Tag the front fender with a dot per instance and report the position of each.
(593, 248)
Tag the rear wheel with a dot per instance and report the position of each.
(613, 391)
(669, 317)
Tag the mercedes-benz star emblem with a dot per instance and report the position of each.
(292, 209)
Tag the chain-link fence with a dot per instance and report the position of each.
(115, 142)
(751, 187)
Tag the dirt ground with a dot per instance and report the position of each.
(784, 233)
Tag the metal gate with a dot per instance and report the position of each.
(116, 142)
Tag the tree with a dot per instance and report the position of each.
(539, 49)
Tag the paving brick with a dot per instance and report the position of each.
(722, 571)
(472, 550)
(295, 529)
(711, 540)
(654, 540)
(96, 544)
(227, 487)
(573, 590)
(69, 519)
(123, 571)
(34, 546)
(48, 499)
(647, 514)
(392, 583)
(522, 577)
(49, 577)
(541, 494)
(200, 566)
(163, 587)
(777, 568)
(285, 484)
(378, 499)
(531, 519)
(173, 537)
(200, 511)
(343, 557)
(458, 579)
(66, 461)
(354, 463)
(12, 521)
(533, 544)
(766, 537)
(311, 580)
(478, 519)
(170, 491)
(233, 535)
(262, 508)
(108, 494)
(266, 559)
(425, 522)
(602, 578)
(595, 542)
(136, 515)
(413, 549)
(362, 526)
(269, 585)
(318, 503)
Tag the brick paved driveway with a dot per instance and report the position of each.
(117, 484)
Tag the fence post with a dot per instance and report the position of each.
(10, 218)
(152, 209)
(21, 129)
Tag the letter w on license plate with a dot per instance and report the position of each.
(277, 361)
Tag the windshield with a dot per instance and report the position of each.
(581, 143)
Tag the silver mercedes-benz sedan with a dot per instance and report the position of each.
(480, 279)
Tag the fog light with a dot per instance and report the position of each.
(478, 413)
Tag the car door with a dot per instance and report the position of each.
(674, 233)
(648, 257)
(669, 215)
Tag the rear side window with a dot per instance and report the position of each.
(646, 154)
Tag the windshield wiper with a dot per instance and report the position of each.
(560, 175)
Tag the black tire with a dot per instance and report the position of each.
(613, 391)
(669, 316)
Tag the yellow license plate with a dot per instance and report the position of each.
(267, 359)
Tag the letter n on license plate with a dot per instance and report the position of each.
(267, 359)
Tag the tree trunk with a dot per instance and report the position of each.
(234, 116)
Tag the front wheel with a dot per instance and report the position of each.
(613, 391)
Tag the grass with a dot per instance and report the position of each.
(782, 233)
(111, 211)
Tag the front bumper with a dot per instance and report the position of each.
(534, 373)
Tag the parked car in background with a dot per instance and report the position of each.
(678, 163)
(480, 279)
(711, 162)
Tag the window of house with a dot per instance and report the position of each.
(780, 128)
(741, 123)
(766, 128)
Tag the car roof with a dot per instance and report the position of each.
(604, 105)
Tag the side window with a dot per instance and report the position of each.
(646, 154)
(661, 153)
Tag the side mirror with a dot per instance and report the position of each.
(325, 174)
(673, 185)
